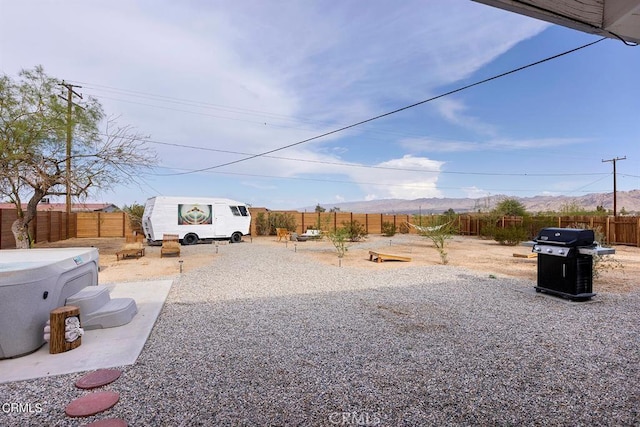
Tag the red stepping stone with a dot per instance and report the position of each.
(109, 422)
(98, 378)
(92, 404)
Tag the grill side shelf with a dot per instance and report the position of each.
(598, 250)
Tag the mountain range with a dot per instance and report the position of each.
(627, 201)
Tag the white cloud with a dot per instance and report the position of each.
(454, 111)
(393, 182)
(474, 192)
(265, 76)
(259, 185)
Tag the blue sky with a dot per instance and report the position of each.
(253, 76)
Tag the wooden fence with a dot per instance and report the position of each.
(622, 230)
(331, 220)
(51, 226)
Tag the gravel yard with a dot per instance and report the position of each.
(263, 334)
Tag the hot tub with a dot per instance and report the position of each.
(32, 283)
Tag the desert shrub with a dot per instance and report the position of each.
(262, 224)
(601, 263)
(403, 228)
(534, 224)
(281, 220)
(604, 263)
(510, 236)
(388, 229)
(355, 231)
(488, 230)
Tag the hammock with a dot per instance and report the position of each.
(423, 229)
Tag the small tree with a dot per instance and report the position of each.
(135, 212)
(34, 126)
(339, 238)
(439, 234)
(510, 207)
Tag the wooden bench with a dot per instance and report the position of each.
(126, 253)
(379, 257)
(133, 247)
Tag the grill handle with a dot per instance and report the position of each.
(556, 243)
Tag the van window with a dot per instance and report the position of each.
(239, 210)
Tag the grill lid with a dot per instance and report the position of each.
(566, 237)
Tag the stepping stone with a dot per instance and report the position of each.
(98, 378)
(109, 422)
(92, 404)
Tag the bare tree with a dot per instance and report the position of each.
(33, 149)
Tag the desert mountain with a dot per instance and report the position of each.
(627, 200)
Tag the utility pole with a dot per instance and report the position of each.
(69, 99)
(614, 160)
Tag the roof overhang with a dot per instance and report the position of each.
(618, 19)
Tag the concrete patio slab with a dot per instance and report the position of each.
(101, 348)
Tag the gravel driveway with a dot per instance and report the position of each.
(269, 338)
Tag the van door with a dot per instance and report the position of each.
(219, 223)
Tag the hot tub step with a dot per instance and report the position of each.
(117, 312)
(89, 299)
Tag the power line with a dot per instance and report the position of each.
(451, 92)
(295, 120)
(236, 110)
(182, 101)
(326, 162)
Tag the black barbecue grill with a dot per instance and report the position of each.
(565, 262)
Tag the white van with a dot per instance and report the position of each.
(195, 219)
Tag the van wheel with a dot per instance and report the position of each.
(236, 237)
(190, 239)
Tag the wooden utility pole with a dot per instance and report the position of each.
(614, 160)
(69, 99)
